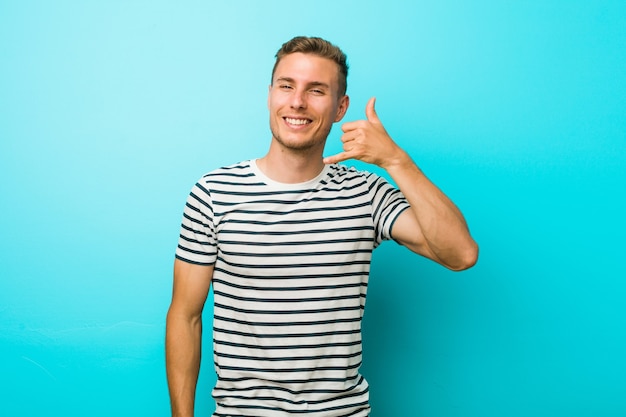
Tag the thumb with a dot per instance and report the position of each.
(370, 111)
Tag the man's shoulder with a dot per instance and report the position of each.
(241, 166)
(237, 170)
(342, 172)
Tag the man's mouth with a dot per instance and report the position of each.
(297, 121)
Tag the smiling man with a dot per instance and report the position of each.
(304, 101)
(286, 241)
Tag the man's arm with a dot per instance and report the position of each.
(184, 333)
(434, 227)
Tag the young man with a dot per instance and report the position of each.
(286, 241)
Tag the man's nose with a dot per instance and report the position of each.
(298, 99)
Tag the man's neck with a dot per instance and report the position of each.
(290, 167)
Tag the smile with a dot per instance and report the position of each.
(293, 121)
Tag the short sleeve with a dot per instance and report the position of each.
(387, 204)
(197, 243)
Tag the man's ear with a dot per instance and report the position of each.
(269, 90)
(344, 103)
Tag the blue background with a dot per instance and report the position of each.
(109, 112)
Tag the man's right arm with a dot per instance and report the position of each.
(184, 334)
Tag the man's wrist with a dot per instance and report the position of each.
(399, 162)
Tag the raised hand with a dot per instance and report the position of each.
(367, 141)
(434, 227)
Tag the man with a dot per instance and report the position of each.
(286, 241)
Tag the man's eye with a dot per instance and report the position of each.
(285, 87)
(316, 91)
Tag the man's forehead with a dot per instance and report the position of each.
(306, 67)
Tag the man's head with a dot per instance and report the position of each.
(319, 47)
(307, 94)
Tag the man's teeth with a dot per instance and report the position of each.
(297, 121)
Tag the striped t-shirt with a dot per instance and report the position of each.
(291, 266)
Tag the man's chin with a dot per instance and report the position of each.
(299, 145)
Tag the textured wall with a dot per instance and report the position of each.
(109, 111)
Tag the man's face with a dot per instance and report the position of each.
(304, 101)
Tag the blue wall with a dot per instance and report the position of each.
(109, 111)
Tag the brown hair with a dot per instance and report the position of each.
(321, 48)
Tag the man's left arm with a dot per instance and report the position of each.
(434, 227)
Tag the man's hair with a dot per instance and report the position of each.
(320, 47)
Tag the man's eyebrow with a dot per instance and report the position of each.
(311, 84)
(318, 84)
(284, 79)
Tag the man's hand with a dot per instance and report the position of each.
(368, 141)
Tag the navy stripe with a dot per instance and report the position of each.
(294, 254)
(295, 288)
(258, 407)
(290, 300)
(289, 358)
(303, 276)
(295, 242)
(267, 398)
(289, 347)
(299, 232)
(281, 324)
(287, 335)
